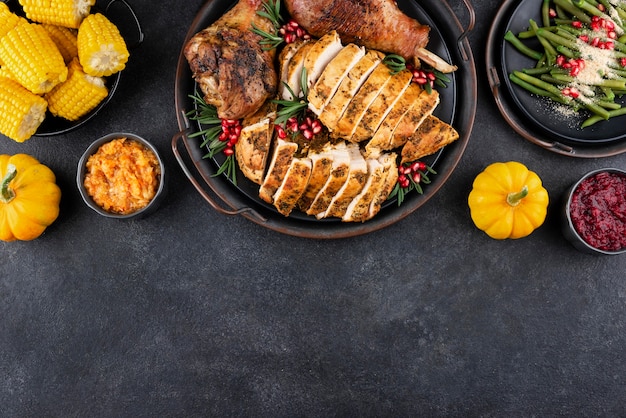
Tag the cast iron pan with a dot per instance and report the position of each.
(458, 107)
(534, 117)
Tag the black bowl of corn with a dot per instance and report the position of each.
(59, 68)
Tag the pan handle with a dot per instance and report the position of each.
(462, 41)
(180, 136)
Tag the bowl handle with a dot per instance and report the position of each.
(463, 41)
(181, 136)
(140, 35)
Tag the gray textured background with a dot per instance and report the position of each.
(192, 313)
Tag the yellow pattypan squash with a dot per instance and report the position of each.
(508, 201)
(29, 197)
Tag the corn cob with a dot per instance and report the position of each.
(8, 19)
(68, 13)
(21, 112)
(32, 57)
(101, 47)
(78, 95)
(65, 39)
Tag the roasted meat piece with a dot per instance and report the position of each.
(376, 24)
(231, 68)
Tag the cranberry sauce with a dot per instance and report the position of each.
(598, 210)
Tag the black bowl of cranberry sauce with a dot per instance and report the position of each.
(594, 212)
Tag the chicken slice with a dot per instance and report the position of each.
(381, 106)
(293, 185)
(329, 80)
(294, 71)
(432, 135)
(321, 164)
(357, 176)
(320, 54)
(338, 176)
(348, 87)
(281, 159)
(390, 174)
(421, 109)
(284, 59)
(361, 101)
(382, 136)
(358, 209)
(254, 142)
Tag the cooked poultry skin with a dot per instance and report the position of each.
(376, 24)
(231, 68)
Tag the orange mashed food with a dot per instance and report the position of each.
(122, 176)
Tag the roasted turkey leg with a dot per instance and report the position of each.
(376, 24)
(231, 68)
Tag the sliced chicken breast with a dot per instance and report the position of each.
(432, 135)
(284, 59)
(357, 176)
(381, 106)
(358, 209)
(294, 71)
(421, 109)
(338, 176)
(321, 164)
(281, 159)
(361, 101)
(348, 87)
(320, 54)
(330, 78)
(293, 185)
(390, 174)
(382, 136)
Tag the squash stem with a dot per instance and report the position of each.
(514, 198)
(6, 193)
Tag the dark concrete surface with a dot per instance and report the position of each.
(192, 313)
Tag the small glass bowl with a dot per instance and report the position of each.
(567, 226)
(82, 171)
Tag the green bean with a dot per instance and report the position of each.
(557, 39)
(570, 8)
(536, 90)
(597, 118)
(587, 7)
(545, 12)
(521, 47)
(536, 70)
(549, 49)
(538, 82)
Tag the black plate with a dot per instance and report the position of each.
(458, 105)
(535, 117)
(53, 125)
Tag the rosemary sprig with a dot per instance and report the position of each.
(211, 128)
(296, 106)
(271, 11)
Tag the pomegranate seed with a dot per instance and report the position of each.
(307, 133)
(584, 38)
(552, 12)
(417, 176)
(622, 62)
(577, 24)
(228, 151)
(601, 7)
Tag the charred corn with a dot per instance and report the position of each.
(65, 39)
(69, 13)
(78, 95)
(101, 47)
(21, 112)
(8, 19)
(32, 57)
